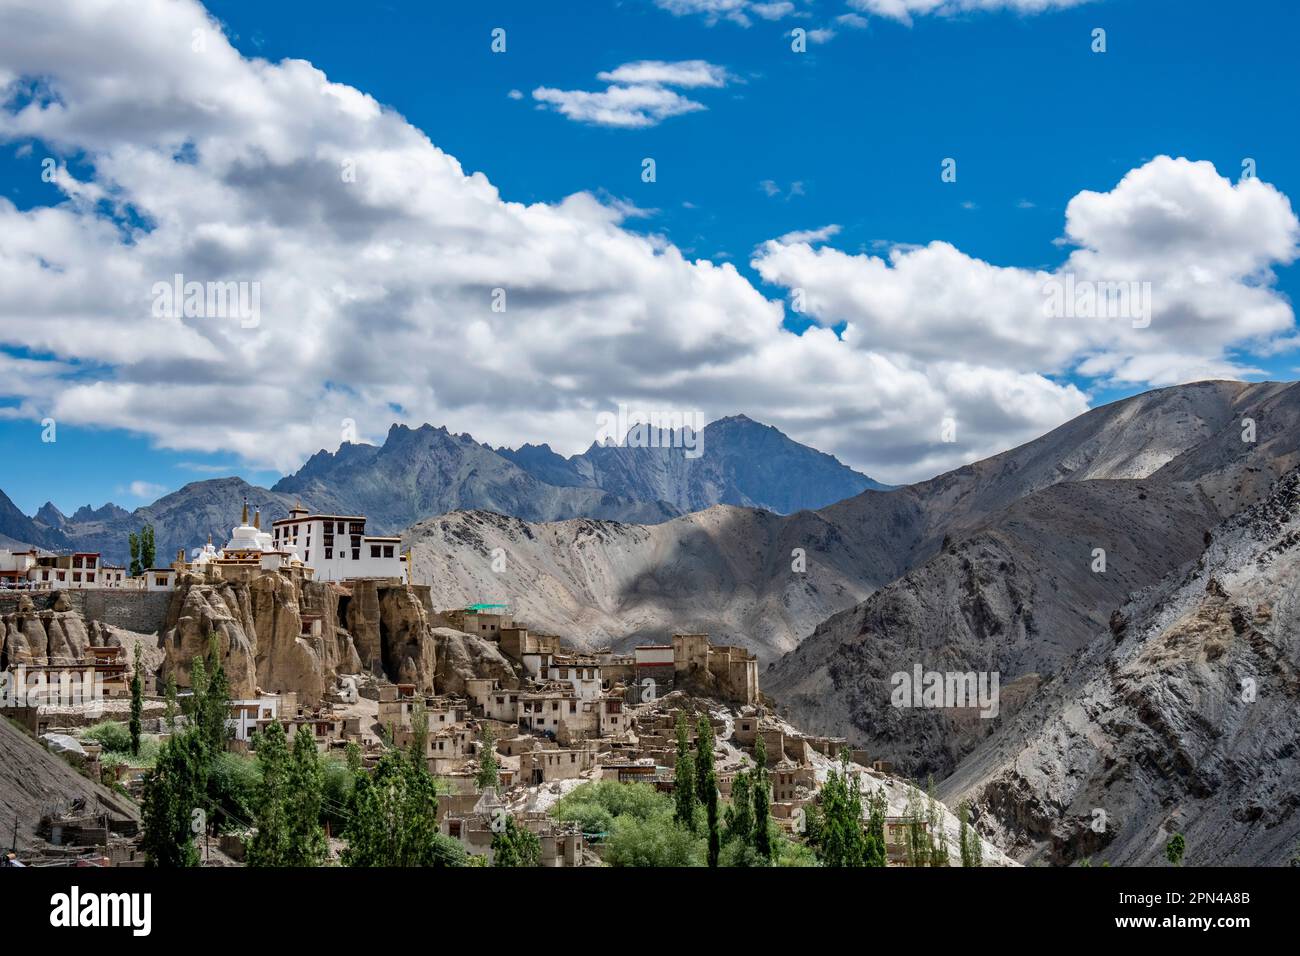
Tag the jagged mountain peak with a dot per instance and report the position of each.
(50, 516)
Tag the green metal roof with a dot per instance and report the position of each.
(483, 607)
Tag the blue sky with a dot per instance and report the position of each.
(851, 132)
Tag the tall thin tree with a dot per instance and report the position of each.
(137, 701)
(684, 775)
(307, 844)
(706, 785)
(762, 791)
(270, 845)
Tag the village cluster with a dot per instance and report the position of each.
(562, 718)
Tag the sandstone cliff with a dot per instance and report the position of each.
(54, 634)
(278, 635)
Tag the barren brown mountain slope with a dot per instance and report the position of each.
(1018, 596)
(34, 782)
(1182, 716)
(1015, 591)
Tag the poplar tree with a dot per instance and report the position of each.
(937, 854)
(967, 839)
(740, 815)
(169, 695)
(137, 701)
(306, 777)
(839, 837)
(419, 731)
(706, 785)
(143, 551)
(270, 845)
(917, 843)
(684, 776)
(133, 544)
(875, 851)
(762, 802)
(208, 706)
(489, 768)
(174, 797)
(148, 553)
(394, 819)
(215, 706)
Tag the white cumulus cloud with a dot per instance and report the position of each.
(638, 94)
(393, 284)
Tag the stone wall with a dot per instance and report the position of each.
(141, 611)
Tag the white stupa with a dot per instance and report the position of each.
(248, 544)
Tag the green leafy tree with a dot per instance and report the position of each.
(419, 731)
(684, 775)
(514, 845)
(706, 785)
(137, 701)
(270, 845)
(172, 708)
(192, 704)
(837, 832)
(174, 800)
(874, 851)
(233, 784)
(143, 551)
(148, 552)
(1175, 849)
(739, 817)
(394, 819)
(307, 845)
(133, 543)
(207, 707)
(762, 795)
(215, 705)
(488, 776)
(338, 784)
(633, 824)
(914, 820)
(964, 834)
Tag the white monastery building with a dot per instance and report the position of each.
(316, 546)
(337, 546)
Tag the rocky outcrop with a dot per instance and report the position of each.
(407, 638)
(462, 656)
(200, 612)
(54, 634)
(300, 645)
(361, 620)
(277, 635)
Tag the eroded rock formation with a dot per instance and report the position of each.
(275, 634)
(55, 634)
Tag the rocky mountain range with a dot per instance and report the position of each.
(1013, 586)
(739, 462)
(733, 571)
(421, 472)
